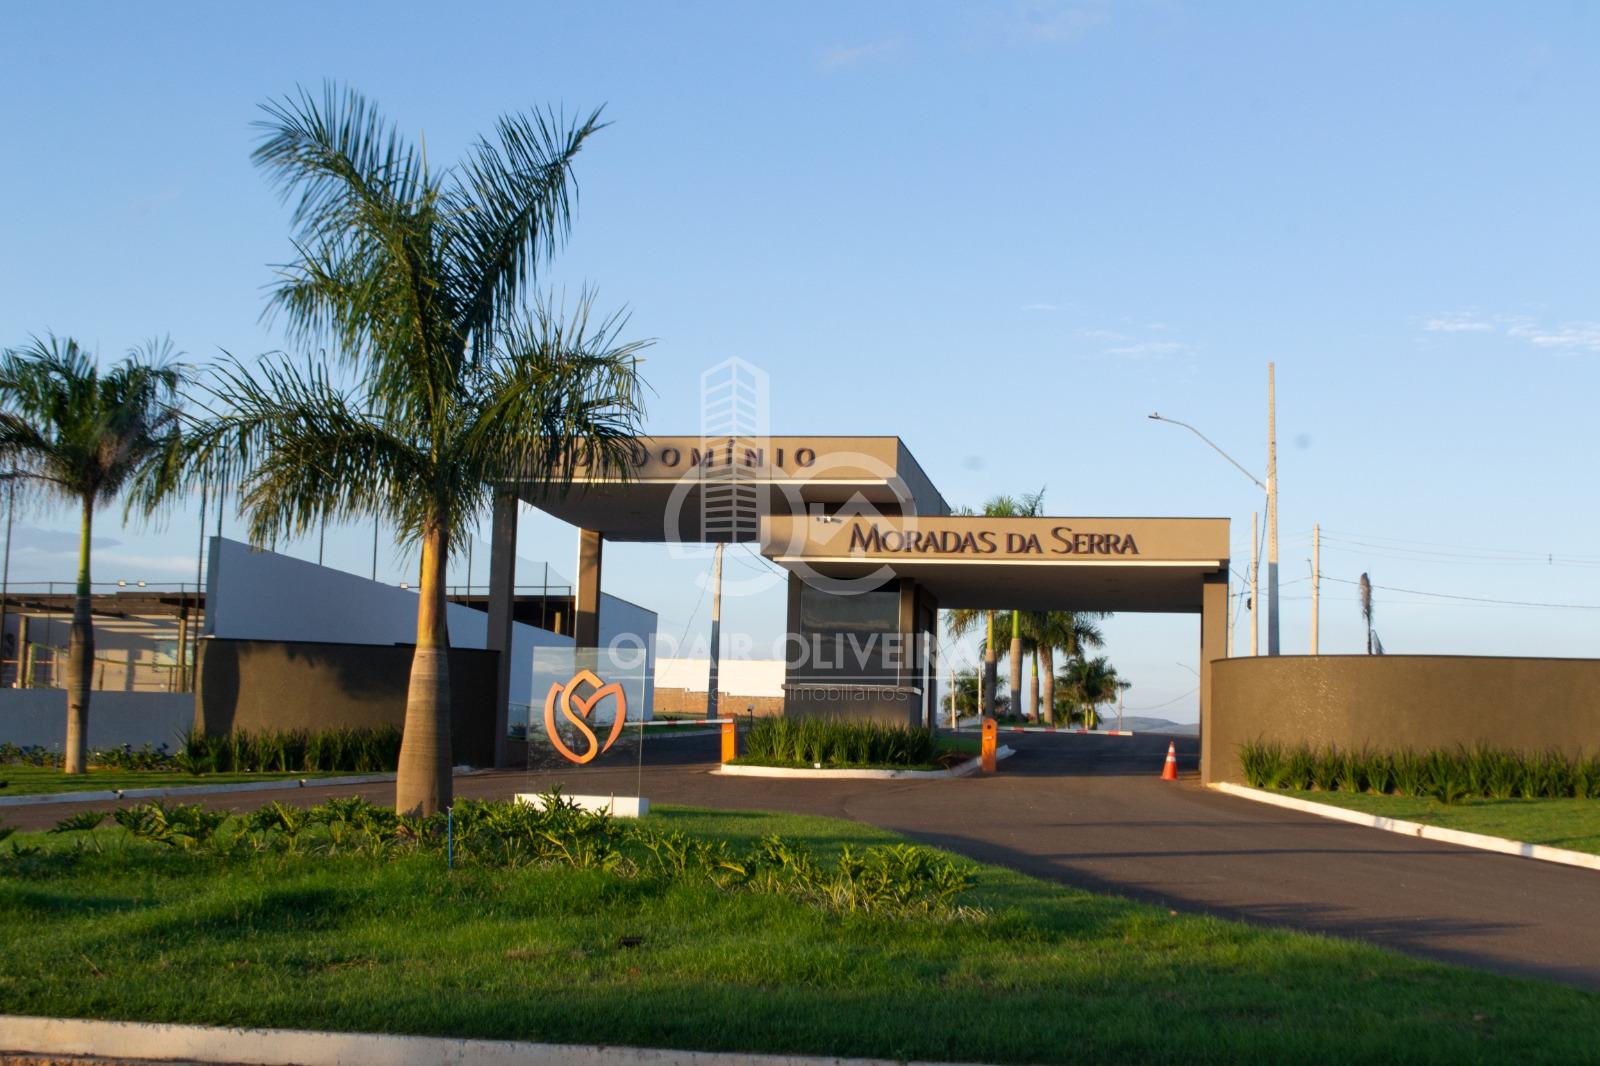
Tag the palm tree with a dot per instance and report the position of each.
(1071, 632)
(1364, 590)
(416, 280)
(1091, 682)
(78, 434)
(1028, 505)
(966, 691)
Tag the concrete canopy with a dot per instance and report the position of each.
(696, 489)
(1087, 564)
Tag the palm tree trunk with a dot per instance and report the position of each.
(1033, 688)
(423, 785)
(80, 656)
(991, 670)
(1047, 667)
(1016, 663)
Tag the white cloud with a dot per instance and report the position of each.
(1143, 349)
(840, 55)
(1570, 336)
(1039, 307)
(1574, 336)
(1459, 322)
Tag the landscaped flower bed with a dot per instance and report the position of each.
(838, 744)
(358, 750)
(1446, 774)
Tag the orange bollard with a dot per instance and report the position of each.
(1169, 772)
(730, 742)
(987, 745)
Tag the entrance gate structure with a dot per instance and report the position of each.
(872, 553)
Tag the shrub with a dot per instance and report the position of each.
(1297, 768)
(357, 750)
(1261, 763)
(1449, 774)
(1353, 774)
(1586, 778)
(1446, 774)
(1408, 773)
(894, 881)
(1326, 766)
(840, 742)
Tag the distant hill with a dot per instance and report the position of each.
(1139, 724)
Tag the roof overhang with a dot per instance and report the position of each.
(696, 489)
(1086, 564)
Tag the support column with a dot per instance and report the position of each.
(796, 656)
(502, 598)
(909, 674)
(586, 597)
(1213, 646)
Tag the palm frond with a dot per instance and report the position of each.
(510, 206)
(370, 273)
(70, 430)
(559, 394)
(299, 450)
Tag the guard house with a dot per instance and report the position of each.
(872, 553)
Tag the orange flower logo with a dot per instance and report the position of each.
(579, 716)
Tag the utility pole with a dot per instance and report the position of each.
(1316, 579)
(1232, 616)
(716, 633)
(955, 719)
(1272, 513)
(1255, 589)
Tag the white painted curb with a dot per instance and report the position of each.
(966, 769)
(1481, 841)
(110, 795)
(283, 1047)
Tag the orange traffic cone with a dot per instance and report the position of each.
(1169, 772)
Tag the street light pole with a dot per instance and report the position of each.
(1270, 487)
(1272, 514)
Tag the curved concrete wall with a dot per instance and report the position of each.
(1399, 701)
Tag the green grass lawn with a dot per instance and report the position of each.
(1042, 973)
(1560, 823)
(39, 780)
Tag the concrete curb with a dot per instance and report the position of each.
(1481, 841)
(966, 769)
(110, 795)
(122, 1041)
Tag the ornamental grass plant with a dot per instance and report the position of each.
(839, 743)
(1447, 774)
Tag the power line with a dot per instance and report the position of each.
(1423, 547)
(1169, 703)
(762, 559)
(1473, 599)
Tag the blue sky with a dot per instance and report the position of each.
(1005, 232)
